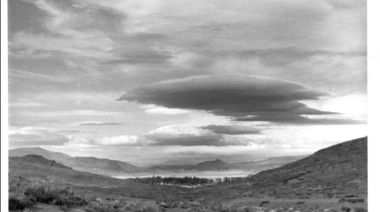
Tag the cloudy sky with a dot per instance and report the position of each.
(186, 80)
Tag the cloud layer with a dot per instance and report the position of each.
(35, 136)
(190, 136)
(207, 68)
(238, 97)
(232, 129)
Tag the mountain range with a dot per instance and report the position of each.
(101, 166)
(219, 165)
(109, 167)
(87, 164)
(38, 167)
(339, 171)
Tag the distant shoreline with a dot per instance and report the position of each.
(201, 174)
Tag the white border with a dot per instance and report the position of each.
(373, 104)
(4, 105)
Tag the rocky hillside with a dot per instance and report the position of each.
(336, 171)
(38, 161)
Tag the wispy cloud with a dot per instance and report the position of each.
(27, 103)
(35, 136)
(71, 113)
(98, 123)
(190, 136)
(38, 76)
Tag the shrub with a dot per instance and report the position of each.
(360, 209)
(61, 196)
(24, 194)
(19, 204)
(121, 206)
(264, 203)
(352, 200)
(345, 209)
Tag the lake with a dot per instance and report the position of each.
(199, 174)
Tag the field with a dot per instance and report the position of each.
(163, 198)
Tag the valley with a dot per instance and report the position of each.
(334, 177)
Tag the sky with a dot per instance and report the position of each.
(180, 81)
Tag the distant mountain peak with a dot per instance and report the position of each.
(212, 162)
(218, 161)
(101, 165)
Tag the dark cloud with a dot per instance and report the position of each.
(237, 97)
(299, 120)
(25, 16)
(231, 129)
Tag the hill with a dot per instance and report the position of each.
(211, 165)
(38, 160)
(279, 160)
(336, 171)
(86, 164)
(101, 166)
(58, 156)
(216, 162)
(39, 171)
(37, 167)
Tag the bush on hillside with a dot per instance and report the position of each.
(25, 194)
(100, 205)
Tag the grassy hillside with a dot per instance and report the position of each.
(38, 160)
(334, 177)
(336, 171)
(37, 167)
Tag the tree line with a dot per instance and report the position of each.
(158, 180)
(190, 181)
